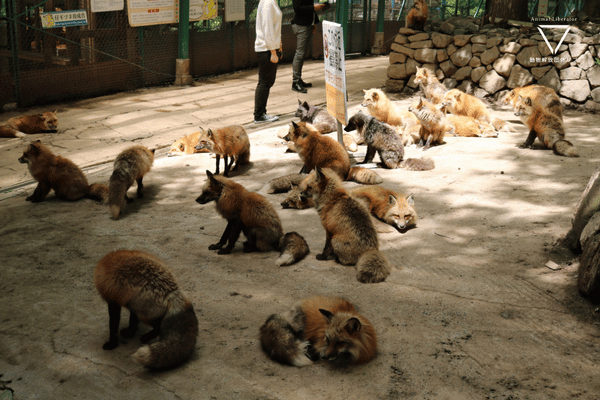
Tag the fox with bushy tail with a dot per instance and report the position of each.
(252, 214)
(131, 165)
(146, 286)
(319, 328)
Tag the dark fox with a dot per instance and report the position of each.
(145, 286)
(384, 140)
(60, 174)
(252, 214)
(319, 328)
(319, 118)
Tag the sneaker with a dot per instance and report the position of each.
(305, 84)
(265, 118)
(297, 87)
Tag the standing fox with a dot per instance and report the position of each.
(186, 145)
(433, 123)
(322, 151)
(29, 124)
(390, 207)
(542, 95)
(430, 85)
(146, 287)
(325, 328)
(230, 141)
(417, 16)
(350, 235)
(131, 165)
(58, 173)
(253, 215)
(544, 124)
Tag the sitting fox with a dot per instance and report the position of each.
(29, 124)
(430, 85)
(417, 16)
(433, 123)
(542, 95)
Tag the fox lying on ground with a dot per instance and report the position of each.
(384, 139)
(390, 207)
(464, 104)
(58, 173)
(350, 235)
(319, 328)
(542, 95)
(322, 151)
(252, 214)
(130, 165)
(319, 118)
(433, 122)
(29, 124)
(146, 287)
(186, 145)
(230, 141)
(544, 124)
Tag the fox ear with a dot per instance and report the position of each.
(410, 200)
(353, 325)
(295, 125)
(527, 101)
(365, 90)
(210, 133)
(153, 150)
(457, 95)
(299, 102)
(327, 314)
(55, 111)
(392, 200)
(375, 95)
(305, 105)
(520, 98)
(33, 148)
(319, 173)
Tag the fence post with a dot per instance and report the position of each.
(14, 31)
(182, 64)
(378, 47)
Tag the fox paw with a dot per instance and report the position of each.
(215, 246)
(321, 257)
(224, 251)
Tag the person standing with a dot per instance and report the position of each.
(303, 25)
(269, 49)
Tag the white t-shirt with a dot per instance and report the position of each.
(268, 26)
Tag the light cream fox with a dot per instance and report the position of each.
(461, 103)
(130, 166)
(380, 107)
(349, 232)
(186, 145)
(145, 286)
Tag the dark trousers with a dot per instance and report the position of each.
(267, 71)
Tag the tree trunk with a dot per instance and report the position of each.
(508, 9)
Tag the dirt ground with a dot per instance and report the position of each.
(470, 310)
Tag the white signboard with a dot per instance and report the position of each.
(235, 10)
(335, 70)
(107, 5)
(58, 19)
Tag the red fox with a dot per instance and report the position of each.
(350, 235)
(131, 165)
(145, 286)
(230, 141)
(283, 183)
(384, 139)
(322, 151)
(417, 16)
(186, 145)
(544, 96)
(392, 208)
(252, 214)
(319, 328)
(28, 124)
(433, 123)
(58, 173)
(430, 85)
(544, 124)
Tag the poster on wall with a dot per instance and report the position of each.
(203, 9)
(156, 12)
(335, 71)
(235, 10)
(58, 19)
(107, 5)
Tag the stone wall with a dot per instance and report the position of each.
(491, 63)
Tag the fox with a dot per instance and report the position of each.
(430, 85)
(316, 116)
(350, 235)
(544, 96)
(46, 122)
(186, 145)
(544, 124)
(230, 141)
(380, 107)
(461, 125)
(385, 140)
(146, 287)
(130, 165)
(296, 200)
(460, 103)
(283, 184)
(322, 151)
(60, 174)
(319, 328)
(417, 16)
(391, 207)
(349, 141)
(433, 122)
(252, 214)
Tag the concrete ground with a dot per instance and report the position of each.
(470, 311)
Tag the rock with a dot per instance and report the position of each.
(411, 66)
(564, 59)
(401, 39)
(467, 87)
(544, 49)
(438, 72)
(440, 40)
(528, 57)
(462, 73)
(426, 44)
(479, 92)
(569, 38)
(419, 37)
(425, 55)
(538, 72)
(593, 76)
(441, 55)
(451, 49)
(577, 49)
(411, 83)
(447, 28)
(479, 39)
(551, 80)
(519, 77)
(489, 56)
(450, 83)
(596, 95)
(403, 50)
(448, 68)
(494, 41)
(462, 56)
(577, 90)
(528, 42)
(407, 31)
(592, 106)
(394, 85)
(491, 82)
(475, 62)
(570, 73)
(477, 73)
(461, 40)
(478, 48)
(585, 61)
(397, 71)
(504, 64)
(511, 47)
(397, 58)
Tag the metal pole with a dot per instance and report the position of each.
(182, 64)
(12, 15)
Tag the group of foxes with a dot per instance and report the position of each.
(326, 328)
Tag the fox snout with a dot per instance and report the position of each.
(350, 127)
(202, 199)
(23, 160)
